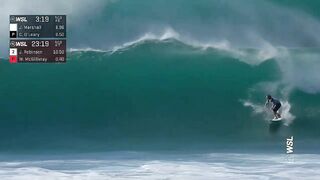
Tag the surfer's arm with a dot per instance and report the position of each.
(266, 104)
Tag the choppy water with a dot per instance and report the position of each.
(161, 166)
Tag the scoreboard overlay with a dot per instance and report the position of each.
(37, 39)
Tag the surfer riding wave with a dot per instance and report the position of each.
(276, 104)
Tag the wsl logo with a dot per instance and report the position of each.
(289, 145)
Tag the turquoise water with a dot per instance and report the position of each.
(161, 75)
(165, 89)
(154, 95)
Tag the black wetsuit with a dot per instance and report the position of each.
(275, 104)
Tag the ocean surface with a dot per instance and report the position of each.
(167, 90)
(140, 166)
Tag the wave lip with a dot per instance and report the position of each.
(167, 34)
(264, 52)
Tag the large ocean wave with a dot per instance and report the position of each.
(158, 94)
(166, 74)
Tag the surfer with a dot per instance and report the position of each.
(275, 106)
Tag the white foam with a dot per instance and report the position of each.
(203, 166)
(88, 49)
(285, 112)
(260, 109)
(263, 52)
(255, 107)
(169, 33)
(301, 70)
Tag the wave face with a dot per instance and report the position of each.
(155, 94)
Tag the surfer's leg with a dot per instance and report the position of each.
(274, 114)
(279, 115)
(275, 111)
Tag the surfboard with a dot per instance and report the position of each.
(275, 120)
